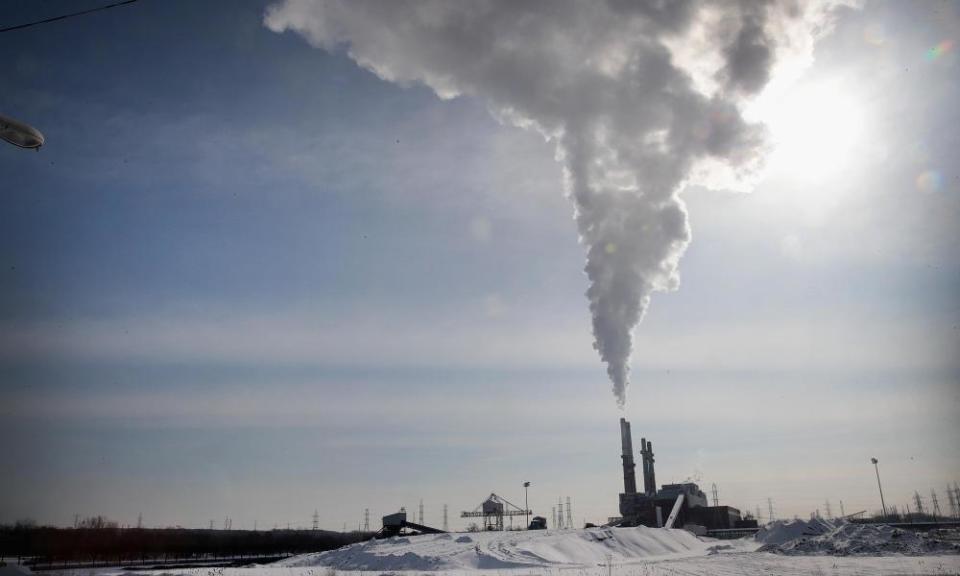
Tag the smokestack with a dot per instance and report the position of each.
(649, 477)
(629, 473)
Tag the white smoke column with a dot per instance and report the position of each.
(635, 96)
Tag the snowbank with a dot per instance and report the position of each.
(783, 531)
(493, 550)
(862, 540)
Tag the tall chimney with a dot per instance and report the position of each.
(629, 473)
(649, 477)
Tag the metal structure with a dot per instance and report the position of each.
(677, 505)
(396, 524)
(446, 526)
(877, 469)
(366, 519)
(493, 510)
(569, 514)
(716, 499)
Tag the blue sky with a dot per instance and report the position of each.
(245, 277)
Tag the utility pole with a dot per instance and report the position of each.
(526, 501)
(139, 521)
(918, 500)
(877, 470)
(842, 513)
(827, 508)
(953, 501)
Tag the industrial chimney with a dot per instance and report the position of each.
(629, 467)
(649, 478)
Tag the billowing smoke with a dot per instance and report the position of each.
(635, 95)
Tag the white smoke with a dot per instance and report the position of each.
(637, 97)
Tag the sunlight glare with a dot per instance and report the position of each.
(816, 130)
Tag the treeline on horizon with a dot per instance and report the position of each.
(109, 543)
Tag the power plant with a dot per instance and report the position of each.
(682, 505)
(673, 505)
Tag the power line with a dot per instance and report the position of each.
(65, 16)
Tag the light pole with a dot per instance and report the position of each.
(526, 505)
(877, 470)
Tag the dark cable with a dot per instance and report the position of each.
(65, 16)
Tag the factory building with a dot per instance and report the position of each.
(673, 504)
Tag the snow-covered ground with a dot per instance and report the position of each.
(788, 548)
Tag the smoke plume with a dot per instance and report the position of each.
(636, 96)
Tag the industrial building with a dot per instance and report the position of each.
(673, 505)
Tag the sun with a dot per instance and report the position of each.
(816, 130)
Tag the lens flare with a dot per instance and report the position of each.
(939, 50)
(929, 181)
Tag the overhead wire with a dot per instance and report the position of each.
(65, 16)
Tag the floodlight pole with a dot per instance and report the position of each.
(526, 502)
(877, 470)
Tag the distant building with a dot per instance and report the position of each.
(652, 507)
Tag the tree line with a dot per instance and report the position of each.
(105, 542)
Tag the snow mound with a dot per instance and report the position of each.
(783, 531)
(865, 540)
(494, 550)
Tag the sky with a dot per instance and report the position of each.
(247, 277)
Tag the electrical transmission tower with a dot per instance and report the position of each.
(758, 513)
(446, 527)
(553, 511)
(953, 501)
(918, 501)
(842, 513)
(139, 521)
(560, 513)
(936, 505)
(366, 519)
(569, 514)
(421, 512)
(827, 508)
(316, 520)
(769, 510)
(716, 497)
